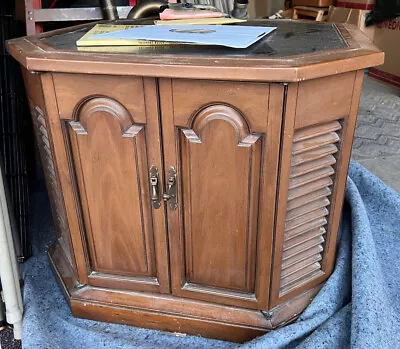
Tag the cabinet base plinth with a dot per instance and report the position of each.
(169, 313)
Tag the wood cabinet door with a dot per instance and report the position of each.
(109, 128)
(223, 139)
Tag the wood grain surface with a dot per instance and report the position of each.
(260, 145)
(226, 191)
(109, 153)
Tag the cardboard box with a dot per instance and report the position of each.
(287, 14)
(387, 38)
(357, 4)
(351, 16)
(258, 9)
(313, 3)
(385, 35)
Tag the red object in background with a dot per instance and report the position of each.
(387, 38)
(131, 3)
(385, 77)
(357, 4)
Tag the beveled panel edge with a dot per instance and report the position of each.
(145, 283)
(347, 138)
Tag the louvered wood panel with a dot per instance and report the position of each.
(308, 207)
(53, 187)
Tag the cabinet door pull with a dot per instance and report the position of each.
(171, 194)
(154, 186)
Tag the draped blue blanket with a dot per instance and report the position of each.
(358, 307)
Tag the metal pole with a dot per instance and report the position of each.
(109, 9)
(8, 268)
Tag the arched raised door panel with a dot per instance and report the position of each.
(218, 230)
(220, 176)
(110, 161)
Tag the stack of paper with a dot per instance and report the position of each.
(221, 35)
(90, 38)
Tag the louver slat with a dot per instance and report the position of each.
(310, 186)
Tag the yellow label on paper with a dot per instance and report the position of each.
(89, 40)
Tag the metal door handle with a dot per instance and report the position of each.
(171, 192)
(154, 187)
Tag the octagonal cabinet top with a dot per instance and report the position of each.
(295, 51)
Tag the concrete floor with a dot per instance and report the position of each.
(377, 138)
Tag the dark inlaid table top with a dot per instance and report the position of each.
(289, 39)
(295, 51)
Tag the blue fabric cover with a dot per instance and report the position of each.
(358, 307)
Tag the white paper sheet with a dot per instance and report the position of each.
(222, 35)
